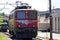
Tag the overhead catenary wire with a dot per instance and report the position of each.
(3, 8)
(11, 4)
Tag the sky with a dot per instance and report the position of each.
(40, 5)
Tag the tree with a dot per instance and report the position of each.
(1, 16)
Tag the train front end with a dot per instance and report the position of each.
(25, 23)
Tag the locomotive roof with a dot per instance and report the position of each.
(24, 9)
(20, 9)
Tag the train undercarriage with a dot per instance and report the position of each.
(24, 33)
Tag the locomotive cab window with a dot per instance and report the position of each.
(32, 14)
(20, 14)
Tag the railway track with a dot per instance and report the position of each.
(37, 38)
(42, 38)
(6, 33)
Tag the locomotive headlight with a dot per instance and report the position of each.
(33, 25)
(18, 25)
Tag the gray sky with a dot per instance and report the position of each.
(41, 5)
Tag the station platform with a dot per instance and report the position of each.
(46, 35)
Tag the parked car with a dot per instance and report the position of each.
(4, 26)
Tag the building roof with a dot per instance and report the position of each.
(53, 11)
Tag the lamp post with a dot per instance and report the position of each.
(50, 20)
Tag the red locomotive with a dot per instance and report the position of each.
(23, 22)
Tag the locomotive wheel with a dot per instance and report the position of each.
(27, 38)
(16, 39)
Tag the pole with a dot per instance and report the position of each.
(50, 20)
